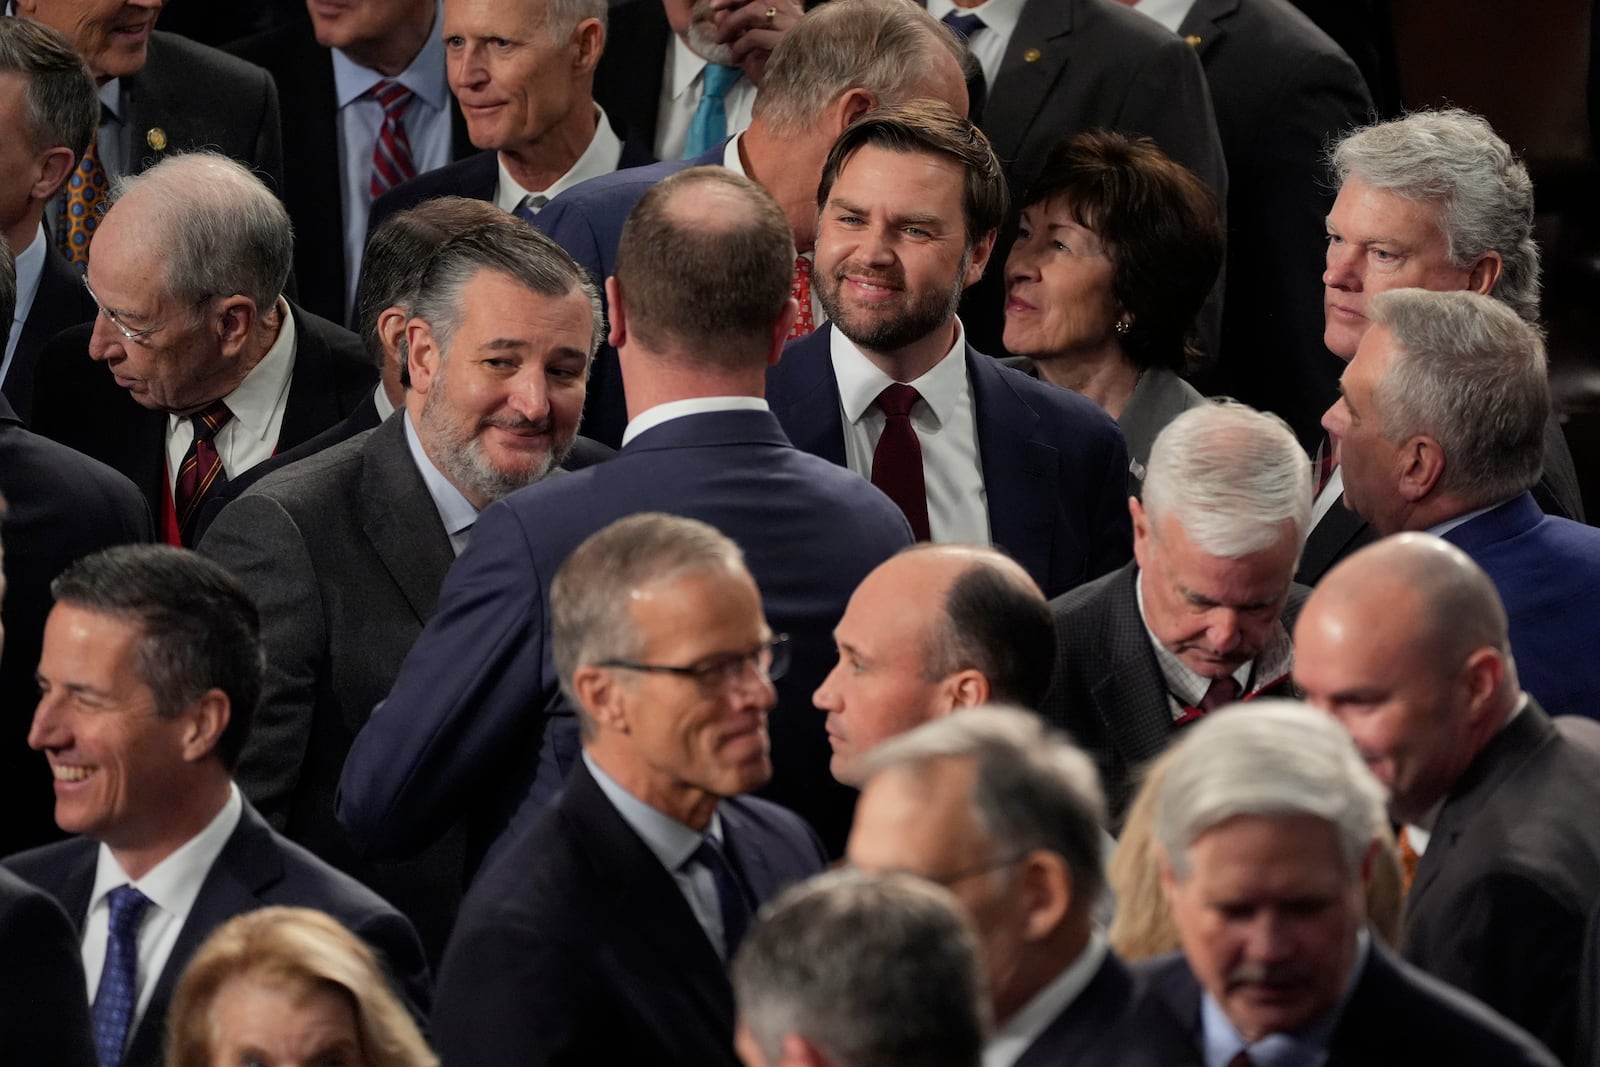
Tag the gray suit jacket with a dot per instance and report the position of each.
(344, 554)
(1107, 690)
(1160, 397)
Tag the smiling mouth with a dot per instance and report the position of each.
(69, 773)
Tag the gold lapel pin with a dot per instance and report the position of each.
(156, 138)
(1031, 55)
(1194, 40)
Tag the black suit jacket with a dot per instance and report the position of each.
(575, 945)
(61, 301)
(1088, 1025)
(78, 403)
(1107, 689)
(61, 507)
(1396, 1017)
(627, 81)
(1502, 895)
(1283, 91)
(312, 182)
(256, 868)
(44, 1017)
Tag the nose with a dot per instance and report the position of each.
(1268, 940)
(826, 697)
(530, 397)
(465, 67)
(1341, 271)
(105, 341)
(48, 727)
(875, 247)
(1223, 631)
(1022, 265)
(1334, 421)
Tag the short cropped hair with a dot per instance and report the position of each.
(509, 247)
(201, 631)
(589, 598)
(1032, 787)
(886, 47)
(1454, 161)
(223, 232)
(563, 16)
(707, 285)
(398, 254)
(875, 970)
(1161, 227)
(299, 951)
(995, 621)
(1231, 476)
(63, 105)
(1471, 374)
(1270, 759)
(928, 127)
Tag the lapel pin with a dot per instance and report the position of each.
(1031, 55)
(156, 138)
(1194, 40)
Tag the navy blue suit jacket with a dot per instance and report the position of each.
(576, 946)
(477, 696)
(44, 1017)
(1055, 467)
(1396, 1017)
(1088, 1024)
(1547, 571)
(256, 868)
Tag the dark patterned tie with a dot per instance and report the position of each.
(733, 900)
(201, 469)
(897, 461)
(530, 205)
(83, 200)
(118, 992)
(391, 154)
(964, 25)
(800, 289)
(1224, 690)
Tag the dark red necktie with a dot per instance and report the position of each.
(391, 154)
(201, 468)
(1224, 690)
(897, 461)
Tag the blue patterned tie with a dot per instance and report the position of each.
(710, 123)
(964, 25)
(732, 898)
(118, 991)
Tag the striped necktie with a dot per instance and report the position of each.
(391, 154)
(201, 469)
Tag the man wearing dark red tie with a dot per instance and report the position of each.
(910, 202)
(211, 369)
(1201, 618)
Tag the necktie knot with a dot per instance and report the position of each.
(1224, 690)
(128, 906)
(963, 25)
(211, 420)
(719, 79)
(530, 205)
(897, 400)
(391, 96)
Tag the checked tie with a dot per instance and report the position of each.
(117, 993)
(391, 154)
(201, 468)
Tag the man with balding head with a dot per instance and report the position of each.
(1442, 412)
(935, 629)
(1405, 643)
(1199, 618)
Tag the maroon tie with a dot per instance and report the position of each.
(391, 155)
(897, 461)
(1224, 690)
(201, 468)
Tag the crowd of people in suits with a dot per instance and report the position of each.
(502, 495)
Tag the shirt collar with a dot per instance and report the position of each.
(698, 405)
(1308, 1048)
(111, 100)
(425, 76)
(1440, 529)
(254, 400)
(30, 265)
(173, 884)
(455, 510)
(687, 65)
(942, 386)
(670, 840)
(1001, 16)
(1170, 13)
(381, 401)
(1023, 1029)
(730, 156)
(601, 157)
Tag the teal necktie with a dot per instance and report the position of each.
(710, 123)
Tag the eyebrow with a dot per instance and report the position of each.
(897, 220)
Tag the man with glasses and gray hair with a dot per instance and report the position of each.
(600, 931)
(208, 370)
(1003, 811)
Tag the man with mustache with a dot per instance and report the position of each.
(345, 551)
(1265, 830)
(907, 212)
(1406, 645)
(1201, 617)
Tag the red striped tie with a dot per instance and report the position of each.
(201, 468)
(391, 155)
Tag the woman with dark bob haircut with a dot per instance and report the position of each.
(1118, 248)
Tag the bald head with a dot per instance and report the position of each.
(704, 266)
(1405, 643)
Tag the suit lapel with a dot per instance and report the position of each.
(805, 397)
(1131, 697)
(1339, 533)
(1019, 472)
(59, 302)
(1207, 20)
(313, 404)
(1023, 83)
(398, 517)
(1076, 1030)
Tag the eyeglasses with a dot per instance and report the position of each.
(948, 880)
(136, 336)
(770, 660)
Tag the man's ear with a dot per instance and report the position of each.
(236, 318)
(1485, 273)
(617, 313)
(204, 721)
(1422, 462)
(422, 355)
(51, 168)
(589, 40)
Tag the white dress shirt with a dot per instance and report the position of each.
(677, 409)
(30, 265)
(1170, 13)
(251, 436)
(946, 426)
(988, 45)
(1023, 1029)
(601, 157)
(427, 125)
(171, 886)
(456, 512)
(682, 82)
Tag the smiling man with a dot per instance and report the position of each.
(601, 932)
(1200, 618)
(908, 208)
(1406, 645)
(345, 551)
(150, 674)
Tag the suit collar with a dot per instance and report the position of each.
(395, 512)
(1517, 515)
(1020, 472)
(1330, 540)
(1130, 694)
(805, 396)
(1207, 20)
(1041, 32)
(711, 429)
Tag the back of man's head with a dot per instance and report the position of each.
(995, 621)
(1231, 477)
(1453, 161)
(704, 266)
(1472, 375)
(868, 971)
(888, 48)
(62, 105)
